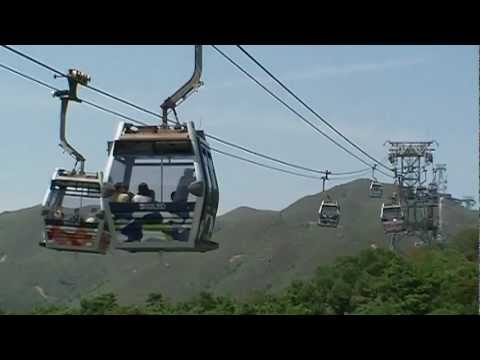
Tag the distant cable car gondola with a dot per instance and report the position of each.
(329, 214)
(172, 173)
(392, 218)
(376, 188)
(73, 214)
(72, 208)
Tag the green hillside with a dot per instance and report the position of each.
(431, 281)
(259, 250)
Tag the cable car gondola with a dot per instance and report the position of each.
(172, 172)
(376, 188)
(72, 208)
(329, 214)
(392, 218)
(73, 213)
(176, 205)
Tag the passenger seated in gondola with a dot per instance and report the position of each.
(58, 214)
(91, 218)
(330, 212)
(134, 230)
(121, 194)
(75, 218)
(144, 194)
(180, 195)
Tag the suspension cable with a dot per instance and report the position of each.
(290, 108)
(264, 165)
(100, 91)
(12, 70)
(309, 108)
(51, 87)
(87, 102)
(280, 161)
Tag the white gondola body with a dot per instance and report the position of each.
(392, 218)
(329, 214)
(376, 189)
(73, 214)
(161, 158)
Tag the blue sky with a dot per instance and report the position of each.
(370, 93)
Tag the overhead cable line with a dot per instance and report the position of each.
(12, 70)
(275, 168)
(341, 178)
(264, 165)
(139, 122)
(58, 72)
(114, 113)
(143, 109)
(310, 109)
(51, 87)
(87, 102)
(100, 91)
(281, 161)
(291, 109)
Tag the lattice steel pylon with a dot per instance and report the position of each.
(411, 159)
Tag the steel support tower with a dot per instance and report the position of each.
(411, 161)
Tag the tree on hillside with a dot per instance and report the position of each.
(159, 305)
(99, 305)
(207, 303)
(454, 280)
(467, 243)
(377, 281)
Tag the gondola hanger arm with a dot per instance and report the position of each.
(187, 88)
(74, 78)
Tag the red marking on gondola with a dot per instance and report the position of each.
(79, 237)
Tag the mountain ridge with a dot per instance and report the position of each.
(259, 249)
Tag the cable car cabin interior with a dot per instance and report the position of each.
(392, 218)
(163, 192)
(376, 189)
(73, 214)
(329, 214)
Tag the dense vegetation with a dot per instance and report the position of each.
(427, 281)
